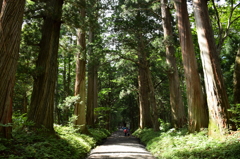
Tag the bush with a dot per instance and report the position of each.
(236, 114)
(180, 144)
(99, 134)
(66, 144)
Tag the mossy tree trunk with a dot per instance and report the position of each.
(42, 101)
(216, 93)
(11, 19)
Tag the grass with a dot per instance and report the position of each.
(67, 144)
(182, 145)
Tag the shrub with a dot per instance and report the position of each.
(236, 114)
(180, 144)
(66, 144)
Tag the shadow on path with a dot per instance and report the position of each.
(118, 146)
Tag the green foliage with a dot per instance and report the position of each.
(146, 135)
(20, 121)
(180, 144)
(164, 126)
(66, 143)
(69, 102)
(99, 134)
(236, 114)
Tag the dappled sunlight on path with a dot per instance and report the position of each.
(119, 146)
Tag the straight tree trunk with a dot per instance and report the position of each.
(145, 116)
(69, 75)
(11, 19)
(144, 105)
(153, 104)
(90, 90)
(197, 110)
(216, 93)
(92, 84)
(24, 103)
(147, 102)
(65, 75)
(80, 88)
(1, 2)
(236, 79)
(42, 101)
(236, 85)
(236, 88)
(179, 118)
(80, 83)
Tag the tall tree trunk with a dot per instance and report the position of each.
(66, 62)
(179, 118)
(67, 89)
(236, 80)
(1, 2)
(147, 102)
(236, 85)
(153, 104)
(92, 83)
(69, 75)
(11, 19)
(216, 94)
(80, 83)
(65, 75)
(42, 101)
(24, 103)
(144, 105)
(90, 90)
(197, 110)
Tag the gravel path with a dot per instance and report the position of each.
(119, 146)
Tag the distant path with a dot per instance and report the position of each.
(118, 146)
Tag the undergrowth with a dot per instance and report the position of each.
(66, 144)
(180, 144)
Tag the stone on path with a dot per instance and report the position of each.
(119, 146)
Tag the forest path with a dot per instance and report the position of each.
(118, 146)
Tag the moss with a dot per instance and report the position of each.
(214, 131)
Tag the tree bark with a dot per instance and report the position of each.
(1, 2)
(11, 19)
(24, 103)
(236, 79)
(80, 83)
(92, 83)
(143, 79)
(42, 101)
(179, 118)
(145, 116)
(236, 85)
(153, 104)
(147, 102)
(197, 110)
(216, 94)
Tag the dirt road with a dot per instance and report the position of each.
(119, 146)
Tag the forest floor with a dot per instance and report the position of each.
(118, 146)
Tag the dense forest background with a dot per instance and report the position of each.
(115, 63)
